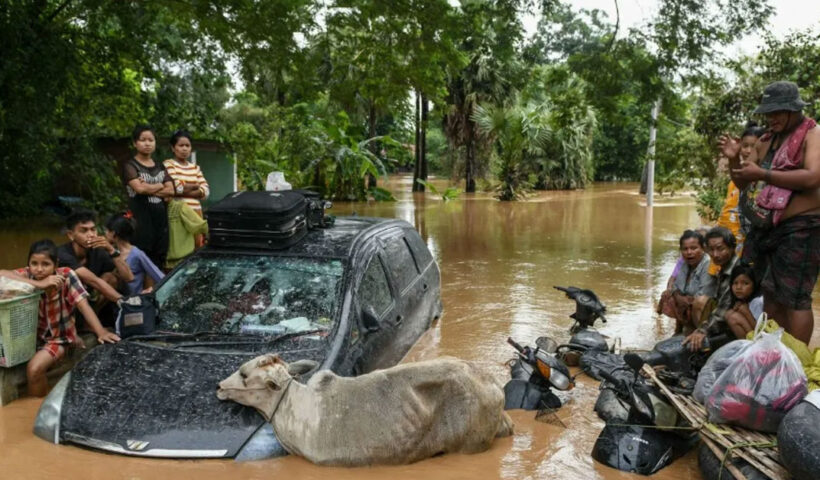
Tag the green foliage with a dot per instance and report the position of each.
(326, 87)
(309, 142)
(449, 193)
(709, 198)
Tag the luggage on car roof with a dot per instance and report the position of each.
(268, 220)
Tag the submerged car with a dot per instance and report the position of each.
(353, 297)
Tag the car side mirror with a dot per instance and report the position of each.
(369, 319)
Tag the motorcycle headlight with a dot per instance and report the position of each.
(560, 381)
(47, 422)
(263, 444)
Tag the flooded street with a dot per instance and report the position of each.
(499, 263)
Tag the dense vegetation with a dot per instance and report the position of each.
(338, 92)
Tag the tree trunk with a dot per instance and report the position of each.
(417, 187)
(469, 158)
(650, 154)
(425, 110)
(374, 148)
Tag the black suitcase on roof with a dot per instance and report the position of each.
(268, 220)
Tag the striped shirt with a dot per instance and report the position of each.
(187, 173)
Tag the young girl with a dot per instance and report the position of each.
(62, 294)
(189, 183)
(148, 185)
(747, 302)
(119, 230)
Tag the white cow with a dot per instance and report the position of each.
(399, 415)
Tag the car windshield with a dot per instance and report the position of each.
(252, 295)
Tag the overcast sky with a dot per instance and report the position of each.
(789, 15)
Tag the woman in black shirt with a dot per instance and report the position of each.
(148, 185)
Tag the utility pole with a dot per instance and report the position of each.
(650, 154)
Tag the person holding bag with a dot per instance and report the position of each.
(780, 198)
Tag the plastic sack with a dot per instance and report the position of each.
(799, 348)
(715, 366)
(761, 384)
(276, 182)
(10, 288)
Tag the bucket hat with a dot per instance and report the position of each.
(779, 96)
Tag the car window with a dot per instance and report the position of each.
(420, 251)
(374, 291)
(401, 261)
(251, 294)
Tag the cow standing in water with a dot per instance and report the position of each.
(399, 415)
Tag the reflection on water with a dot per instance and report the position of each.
(499, 263)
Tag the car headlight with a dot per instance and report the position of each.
(263, 444)
(47, 423)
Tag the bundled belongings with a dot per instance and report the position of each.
(759, 387)
(715, 366)
(798, 439)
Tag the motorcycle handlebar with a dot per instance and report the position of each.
(619, 383)
(515, 345)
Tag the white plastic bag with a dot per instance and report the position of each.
(716, 365)
(276, 182)
(759, 387)
(10, 288)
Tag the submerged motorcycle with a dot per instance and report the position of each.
(588, 309)
(637, 443)
(534, 374)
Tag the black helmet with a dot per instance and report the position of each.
(637, 449)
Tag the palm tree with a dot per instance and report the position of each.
(520, 134)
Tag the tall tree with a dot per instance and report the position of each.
(490, 31)
(687, 34)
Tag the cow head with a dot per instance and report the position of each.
(260, 383)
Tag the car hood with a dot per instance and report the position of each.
(140, 399)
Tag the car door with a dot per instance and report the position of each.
(412, 312)
(374, 307)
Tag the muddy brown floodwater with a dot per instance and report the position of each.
(499, 262)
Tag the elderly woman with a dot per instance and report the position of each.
(692, 288)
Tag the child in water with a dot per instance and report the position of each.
(747, 303)
(119, 230)
(62, 294)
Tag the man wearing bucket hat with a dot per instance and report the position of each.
(780, 200)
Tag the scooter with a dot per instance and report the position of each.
(679, 372)
(680, 365)
(637, 443)
(534, 374)
(588, 309)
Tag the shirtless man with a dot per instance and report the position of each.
(786, 256)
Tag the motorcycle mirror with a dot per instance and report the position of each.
(547, 344)
(634, 361)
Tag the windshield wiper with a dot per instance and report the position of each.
(246, 341)
(179, 335)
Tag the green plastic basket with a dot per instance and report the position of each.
(18, 329)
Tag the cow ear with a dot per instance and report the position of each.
(268, 359)
(301, 366)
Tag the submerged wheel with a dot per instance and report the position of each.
(709, 465)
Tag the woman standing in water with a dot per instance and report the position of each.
(148, 185)
(189, 183)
